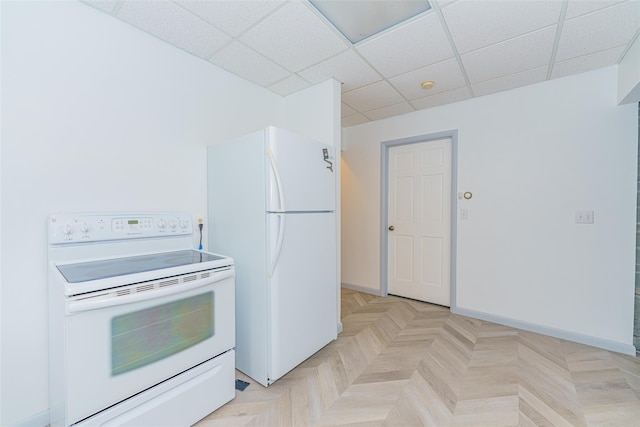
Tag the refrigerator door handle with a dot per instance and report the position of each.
(276, 173)
(278, 249)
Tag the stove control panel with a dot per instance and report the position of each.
(78, 228)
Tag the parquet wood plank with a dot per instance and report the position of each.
(405, 363)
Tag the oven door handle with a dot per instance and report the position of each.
(112, 299)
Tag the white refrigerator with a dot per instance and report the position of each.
(271, 207)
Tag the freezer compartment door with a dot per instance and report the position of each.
(301, 173)
(302, 291)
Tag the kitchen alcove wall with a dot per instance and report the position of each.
(636, 311)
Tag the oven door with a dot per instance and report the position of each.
(117, 347)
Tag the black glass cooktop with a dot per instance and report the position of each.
(103, 269)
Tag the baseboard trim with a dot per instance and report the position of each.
(40, 419)
(362, 289)
(617, 347)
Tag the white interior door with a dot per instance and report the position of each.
(419, 214)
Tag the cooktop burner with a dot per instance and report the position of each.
(103, 269)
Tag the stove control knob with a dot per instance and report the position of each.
(66, 229)
(84, 227)
(173, 224)
(162, 224)
(184, 223)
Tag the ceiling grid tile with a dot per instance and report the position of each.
(442, 98)
(580, 64)
(511, 81)
(445, 74)
(389, 111)
(515, 55)
(417, 44)
(244, 62)
(478, 24)
(372, 97)
(289, 85)
(175, 25)
(231, 16)
(347, 67)
(468, 47)
(294, 37)
(604, 29)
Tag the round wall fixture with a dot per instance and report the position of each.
(467, 195)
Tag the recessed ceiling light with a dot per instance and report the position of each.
(427, 84)
(358, 20)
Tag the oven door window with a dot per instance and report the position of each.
(146, 336)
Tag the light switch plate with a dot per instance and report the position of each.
(584, 216)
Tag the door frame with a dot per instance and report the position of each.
(384, 204)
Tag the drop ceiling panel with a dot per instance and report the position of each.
(446, 74)
(245, 62)
(390, 111)
(175, 25)
(371, 97)
(287, 45)
(477, 24)
(345, 110)
(419, 43)
(522, 53)
(584, 63)
(510, 81)
(231, 16)
(442, 98)
(294, 37)
(289, 85)
(581, 7)
(347, 67)
(103, 5)
(356, 119)
(604, 29)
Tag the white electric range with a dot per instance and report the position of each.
(142, 326)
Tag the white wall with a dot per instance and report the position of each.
(315, 112)
(531, 156)
(95, 116)
(1, 310)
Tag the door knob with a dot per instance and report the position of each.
(391, 228)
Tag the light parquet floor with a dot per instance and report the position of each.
(405, 363)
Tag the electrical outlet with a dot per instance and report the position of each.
(199, 237)
(584, 216)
